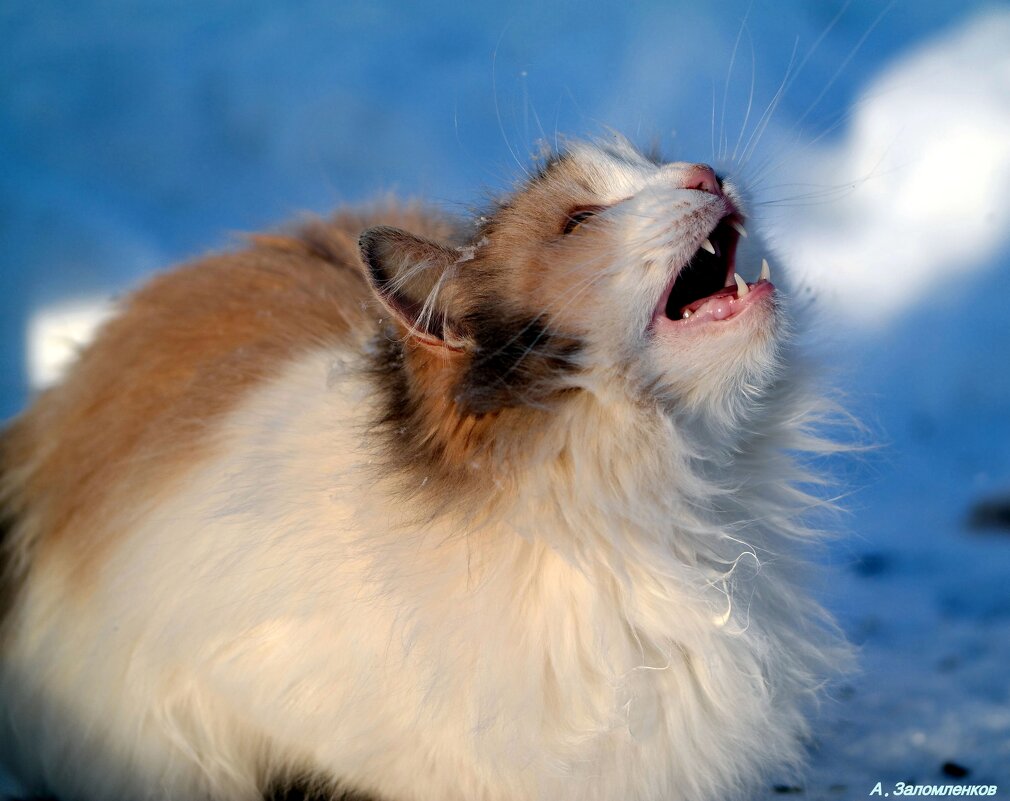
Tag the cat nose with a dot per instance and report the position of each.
(703, 178)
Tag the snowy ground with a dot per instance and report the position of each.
(135, 134)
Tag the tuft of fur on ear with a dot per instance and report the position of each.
(411, 277)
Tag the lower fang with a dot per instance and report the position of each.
(741, 286)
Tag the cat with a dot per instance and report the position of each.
(399, 507)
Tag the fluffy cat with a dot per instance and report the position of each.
(401, 508)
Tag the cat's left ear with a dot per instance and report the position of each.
(412, 277)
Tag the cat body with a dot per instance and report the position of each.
(446, 514)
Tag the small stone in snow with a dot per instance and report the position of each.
(954, 770)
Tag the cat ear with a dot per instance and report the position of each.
(411, 277)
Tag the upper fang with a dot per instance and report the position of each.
(739, 229)
(707, 245)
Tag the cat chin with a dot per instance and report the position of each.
(720, 370)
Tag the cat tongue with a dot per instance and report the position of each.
(727, 301)
(719, 304)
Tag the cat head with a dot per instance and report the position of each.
(605, 272)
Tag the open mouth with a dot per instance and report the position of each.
(708, 286)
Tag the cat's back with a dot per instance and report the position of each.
(140, 404)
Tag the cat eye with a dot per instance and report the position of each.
(579, 215)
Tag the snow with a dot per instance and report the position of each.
(925, 167)
(57, 332)
(137, 134)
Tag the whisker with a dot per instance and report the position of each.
(846, 60)
(773, 162)
(836, 191)
(790, 79)
(725, 89)
(750, 96)
(713, 123)
(723, 146)
(497, 107)
(769, 111)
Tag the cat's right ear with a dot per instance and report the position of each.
(411, 277)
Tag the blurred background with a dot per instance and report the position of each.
(875, 139)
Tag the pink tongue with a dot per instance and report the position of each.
(720, 299)
(720, 308)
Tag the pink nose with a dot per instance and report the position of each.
(702, 177)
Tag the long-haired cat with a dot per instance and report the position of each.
(394, 507)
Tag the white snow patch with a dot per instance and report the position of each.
(56, 335)
(925, 172)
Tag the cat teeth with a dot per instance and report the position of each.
(739, 229)
(707, 245)
(766, 271)
(685, 315)
(741, 286)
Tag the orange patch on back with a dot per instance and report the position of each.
(141, 404)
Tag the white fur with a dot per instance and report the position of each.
(630, 627)
(630, 631)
